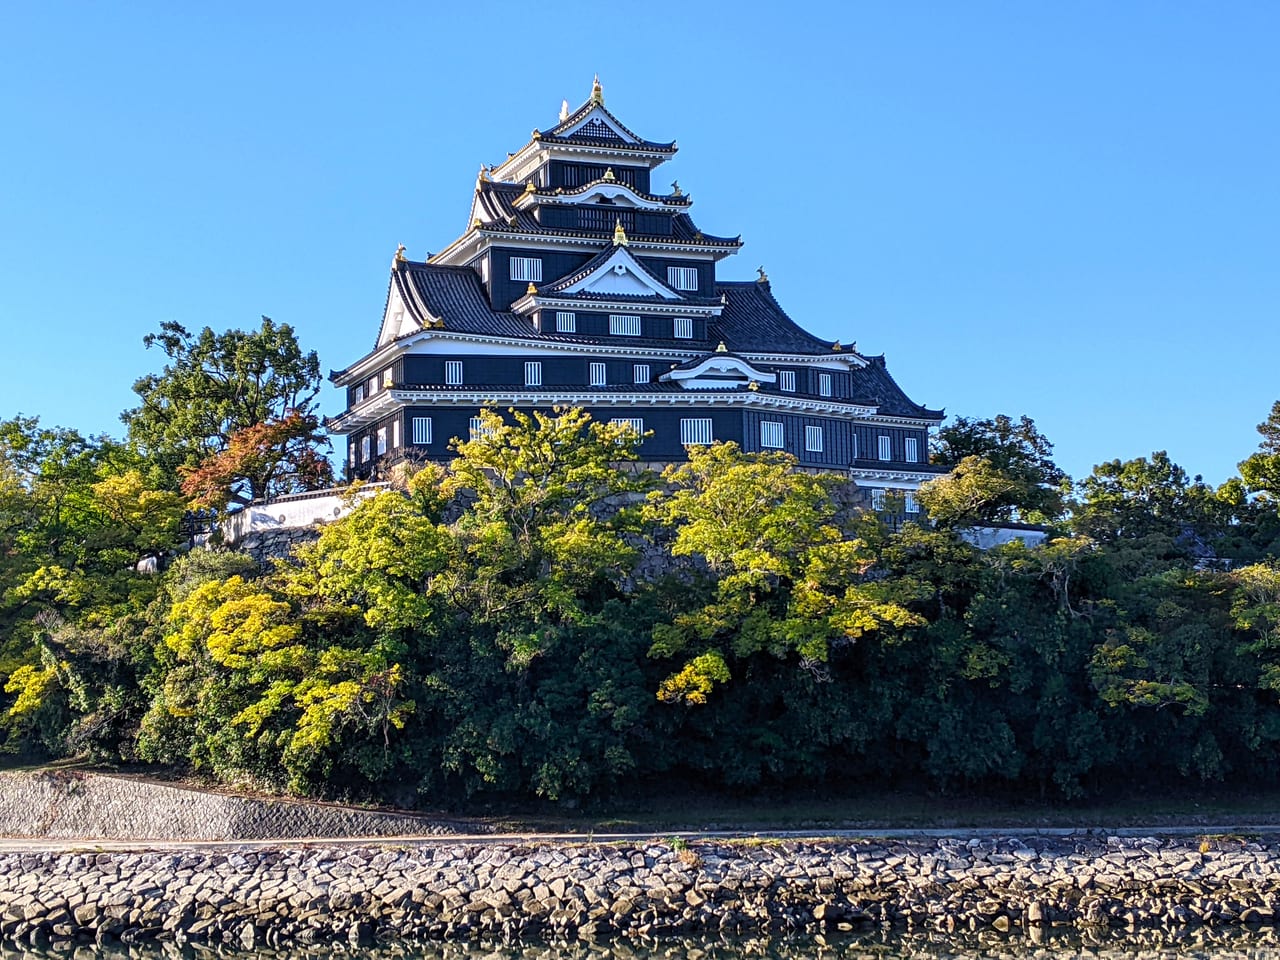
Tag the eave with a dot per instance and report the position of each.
(674, 308)
(478, 239)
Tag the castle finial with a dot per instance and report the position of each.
(484, 173)
(620, 235)
(721, 348)
(400, 253)
(764, 277)
(532, 291)
(675, 189)
(597, 91)
(836, 347)
(564, 110)
(609, 174)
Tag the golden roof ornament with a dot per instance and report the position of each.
(529, 187)
(753, 386)
(675, 189)
(532, 291)
(836, 346)
(400, 253)
(764, 277)
(620, 235)
(608, 174)
(477, 222)
(597, 91)
(722, 348)
(537, 134)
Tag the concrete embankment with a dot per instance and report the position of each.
(76, 805)
(455, 890)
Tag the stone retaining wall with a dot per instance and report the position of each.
(84, 806)
(449, 890)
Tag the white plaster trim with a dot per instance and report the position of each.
(367, 411)
(477, 240)
(891, 479)
(528, 303)
(693, 377)
(611, 189)
(596, 112)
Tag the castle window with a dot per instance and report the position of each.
(683, 278)
(566, 322)
(787, 381)
(771, 434)
(627, 326)
(695, 432)
(635, 423)
(877, 499)
(395, 434)
(364, 449)
(886, 447)
(598, 378)
(824, 384)
(422, 430)
(373, 386)
(526, 268)
(453, 373)
(911, 450)
(813, 439)
(912, 506)
(855, 446)
(533, 374)
(382, 440)
(386, 377)
(478, 429)
(359, 394)
(683, 328)
(640, 373)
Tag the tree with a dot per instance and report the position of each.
(234, 413)
(1004, 468)
(1261, 471)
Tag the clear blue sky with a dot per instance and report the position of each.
(1067, 210)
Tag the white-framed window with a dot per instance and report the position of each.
(422, 430)
(624, 324)
(813, 439)
(351, 455)
(771, 434)
(635, 423)
(526, 268)
(911, 505)
(382, 440)
(640, 373)
(395, 434)
(359, 393)
(877, 499)
(682, 278)
(886, 447)
(683, 328)
(855, 445)
(373, 386)
(453, 373)
(566, 322)
(533, 373)
(598, 376)
(824, 384)
(911, 450)
(364, 449)
(484, 269)
(477, 429)
(386, 377)
(696, 431)
(787, 381)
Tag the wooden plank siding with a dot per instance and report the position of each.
(563, 173)
(503, 291)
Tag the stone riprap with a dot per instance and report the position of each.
(73, 805)
(457, 890)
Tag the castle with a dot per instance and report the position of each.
(575, 284)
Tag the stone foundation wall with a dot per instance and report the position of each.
(84, 806)
(450, 890)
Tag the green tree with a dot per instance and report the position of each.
(214, 391)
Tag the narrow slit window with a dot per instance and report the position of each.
(598, 377)
(640, 373)
(566, 322)
(684, 328)
(813, 439)
(886, 447)
(824, 384)
(421, 431)
(624, 325)
(682, 278)
(787, 381)
(526, 268)
(382, 440)
(911, 450)
(453, 373)
(533, 374)
(771, 435)
(877, 499)
(364, 449)
(395, 434)
(696, 431)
